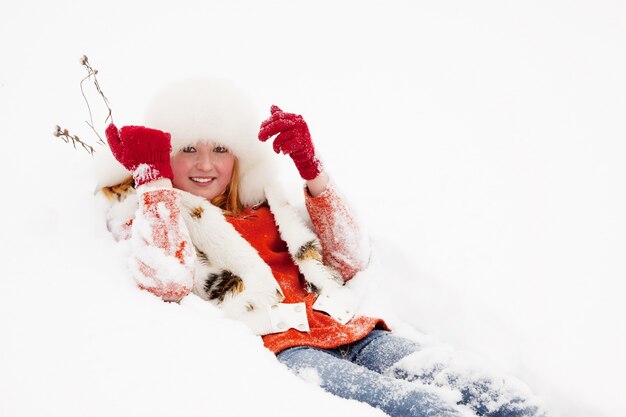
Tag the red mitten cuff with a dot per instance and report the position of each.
(145, 173)
(308, 168)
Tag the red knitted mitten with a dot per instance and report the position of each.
(143, 151)
(293, 139)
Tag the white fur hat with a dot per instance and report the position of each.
(200, 109)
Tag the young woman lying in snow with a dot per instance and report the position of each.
(205, 214)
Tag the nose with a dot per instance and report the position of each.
(204, 162)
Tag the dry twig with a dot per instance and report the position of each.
(64, 134)
(92, 73)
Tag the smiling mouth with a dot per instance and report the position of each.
(201, 180)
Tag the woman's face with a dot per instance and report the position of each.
(204, 169)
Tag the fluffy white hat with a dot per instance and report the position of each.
(205, 109)
(201, 109)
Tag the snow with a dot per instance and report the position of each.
(482, 142)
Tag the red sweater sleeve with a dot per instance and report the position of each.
(162, 255)
(344, 245)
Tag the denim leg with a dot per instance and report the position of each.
(345, 379)
(380, 350)
(484, 392)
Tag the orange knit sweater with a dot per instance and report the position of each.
(258, 227)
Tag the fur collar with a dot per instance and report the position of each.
(223, 252)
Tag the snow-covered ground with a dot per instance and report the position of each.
(482, 143)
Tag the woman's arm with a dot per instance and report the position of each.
(345, 246)
(318, 185)
(162, 255)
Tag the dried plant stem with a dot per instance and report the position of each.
(91, 72)
(65, 135)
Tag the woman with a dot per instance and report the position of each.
(204, 213)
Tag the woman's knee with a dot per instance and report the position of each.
(382, 349)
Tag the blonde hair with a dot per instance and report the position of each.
(228, 201)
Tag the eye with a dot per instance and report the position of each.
(220, 149)
(188, 149)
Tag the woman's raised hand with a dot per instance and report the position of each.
(293, 138)
(142, 150)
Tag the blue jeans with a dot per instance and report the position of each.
(370, 370)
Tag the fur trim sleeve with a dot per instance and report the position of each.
(344, 245)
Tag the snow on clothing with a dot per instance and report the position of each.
(164, 263)
(390, 373)
(357, 372)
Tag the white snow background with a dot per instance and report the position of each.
(482, 142)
